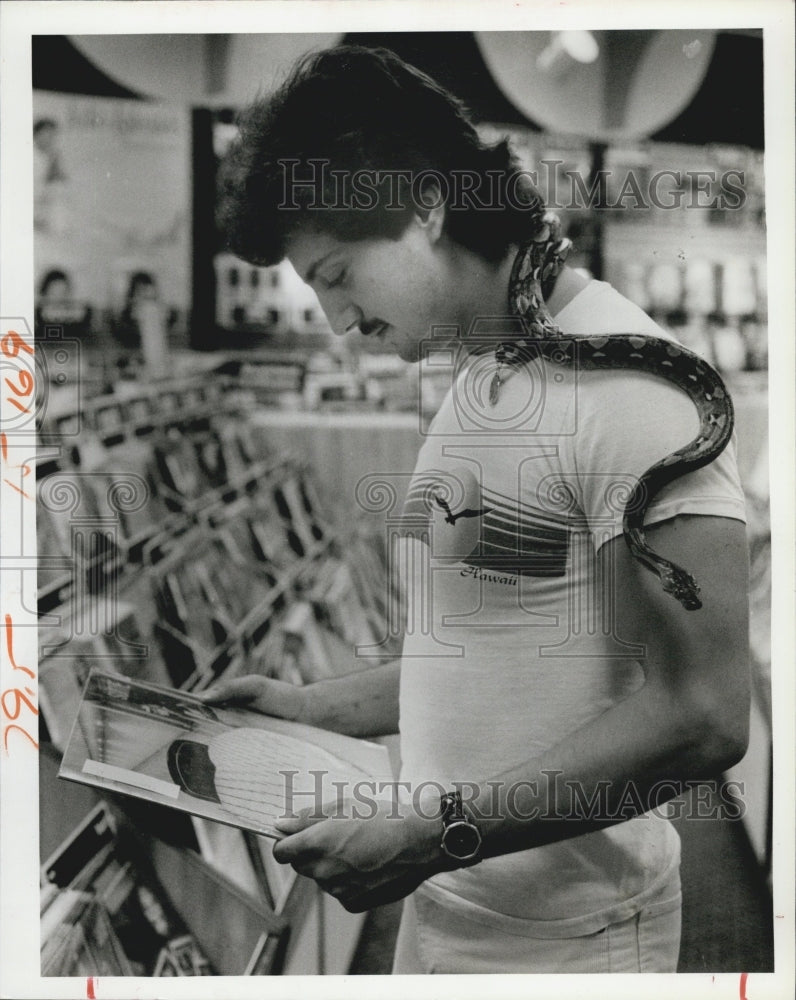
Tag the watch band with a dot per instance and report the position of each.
(452, 807)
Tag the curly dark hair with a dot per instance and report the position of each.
(351, 115)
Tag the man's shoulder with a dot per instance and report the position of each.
(599, 308)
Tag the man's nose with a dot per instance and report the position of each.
(342, 317)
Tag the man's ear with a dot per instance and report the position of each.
(430, 212)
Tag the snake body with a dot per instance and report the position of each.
(537, 261)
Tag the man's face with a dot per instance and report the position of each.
(394, 290)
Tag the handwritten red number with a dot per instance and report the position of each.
(25, 387)
(20, 697)
(24, 732)
(10, 648)
(4, 452)
(27, 496)
(12, 344)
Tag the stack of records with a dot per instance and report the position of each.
(101, 917)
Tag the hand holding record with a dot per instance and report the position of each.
(259, 694)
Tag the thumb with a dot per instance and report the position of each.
(301, 820)
(239, 689)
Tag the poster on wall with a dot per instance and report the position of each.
(111, 197)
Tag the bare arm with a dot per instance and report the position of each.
(688, 721)
(363, 703)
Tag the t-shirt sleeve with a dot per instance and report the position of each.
(626, 422)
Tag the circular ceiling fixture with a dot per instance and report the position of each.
(600, 85)
(214, 70)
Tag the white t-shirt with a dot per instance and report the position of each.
(506, 648)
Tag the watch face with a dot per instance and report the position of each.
(461, 840)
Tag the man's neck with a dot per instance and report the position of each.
(491, 285)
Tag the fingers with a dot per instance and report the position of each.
(309, 816)
(303, 819)
(302, 845)
(319, 849)
(240, 690)
(288, 827)
(357, 899)
(310, 858)
(299, 849)
(357, 893)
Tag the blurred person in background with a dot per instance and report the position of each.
(142, 327)
(49, 178)
(57, 306)
(142, 290)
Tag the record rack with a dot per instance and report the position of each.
(175, 548)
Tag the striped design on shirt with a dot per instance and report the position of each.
(514, 537)
(521, 539)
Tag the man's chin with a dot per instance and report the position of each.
(409, 353)
(413, 350)
(416, 351)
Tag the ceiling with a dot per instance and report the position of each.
(725, 104)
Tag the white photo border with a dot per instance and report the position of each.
(19, 21)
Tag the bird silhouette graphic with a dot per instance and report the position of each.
(452, 518)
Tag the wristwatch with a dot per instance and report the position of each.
(461, 840)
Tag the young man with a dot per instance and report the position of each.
(556, 686)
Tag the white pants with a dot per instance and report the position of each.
(434, 939)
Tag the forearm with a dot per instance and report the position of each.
(642, 741)
(632, 758)
(364, 703)
(688, 721)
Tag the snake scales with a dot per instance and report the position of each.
(538, 261)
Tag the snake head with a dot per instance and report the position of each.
(682, 586)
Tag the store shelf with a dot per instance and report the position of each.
(663, 243)
(257, 922)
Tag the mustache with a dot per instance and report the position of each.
(370, 326)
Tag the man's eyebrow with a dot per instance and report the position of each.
(313, 270)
